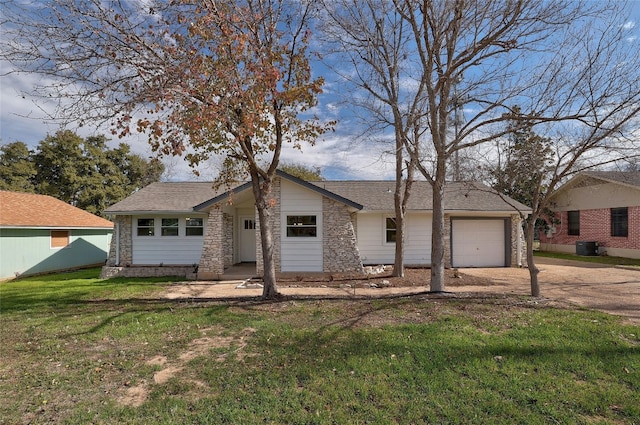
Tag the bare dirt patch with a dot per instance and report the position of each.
(614, 290)
(136, 395)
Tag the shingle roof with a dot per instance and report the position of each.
(631, 178)
(370, 195)
(30, 210)
(166, 197)
(458, 196)
(308, 185)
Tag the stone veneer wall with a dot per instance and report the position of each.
(227, 242)
(340, 248)
(516, 222)
(275, 202)
(123, 227)
(447, 241)
(212, 257)
(148, 271)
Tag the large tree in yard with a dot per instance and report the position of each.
(368, 43)
(570, 65)
(531, 168)
(199, 77)
(16, 168)
(83, 172)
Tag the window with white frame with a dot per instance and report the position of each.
(302, 226)
(390, 230)
(146, 227)
(170, 227)
(194, 227)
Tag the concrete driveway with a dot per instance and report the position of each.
(614, 290)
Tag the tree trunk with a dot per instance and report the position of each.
(437, 237)
(261, 191)
(531, 265)
(398, 265)
(398, 197)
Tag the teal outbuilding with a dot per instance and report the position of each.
(41, 234)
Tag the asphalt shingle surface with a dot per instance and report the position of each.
(31, 210)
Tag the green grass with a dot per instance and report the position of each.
(80, 350)
(615, 261)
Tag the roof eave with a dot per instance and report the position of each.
(32, 226)
(221, 197)
(149, 212)
(614, 181)
(502, 212)
(356, 206)
(320, 190)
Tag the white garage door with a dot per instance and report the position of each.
(478, 243)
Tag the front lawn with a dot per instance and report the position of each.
(603, 259)
(79, 350)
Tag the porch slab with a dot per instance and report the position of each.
(240, 271)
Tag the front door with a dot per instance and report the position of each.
(247, 239)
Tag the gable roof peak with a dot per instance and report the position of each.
(283, 175)
(630, 178)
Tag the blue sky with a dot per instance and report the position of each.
(340, 154)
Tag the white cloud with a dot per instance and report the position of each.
(21, 118)
(28, 119)
(343, 158)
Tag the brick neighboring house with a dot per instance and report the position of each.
(41, 234)
(319, 227)
(602, 207)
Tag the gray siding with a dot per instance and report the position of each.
(301, 253)
(170, 250)
(375, 250)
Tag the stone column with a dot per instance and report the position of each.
(228, 240)
(518, 242)
(339, 245)
(447, 241)
(212, 258)
(121, 239)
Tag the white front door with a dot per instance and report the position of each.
(247, 239)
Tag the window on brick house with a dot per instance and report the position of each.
(574, 223)
(620, 222)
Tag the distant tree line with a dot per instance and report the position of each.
(301, 171)
(83, 172)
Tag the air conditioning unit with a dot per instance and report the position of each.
(587, 248)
